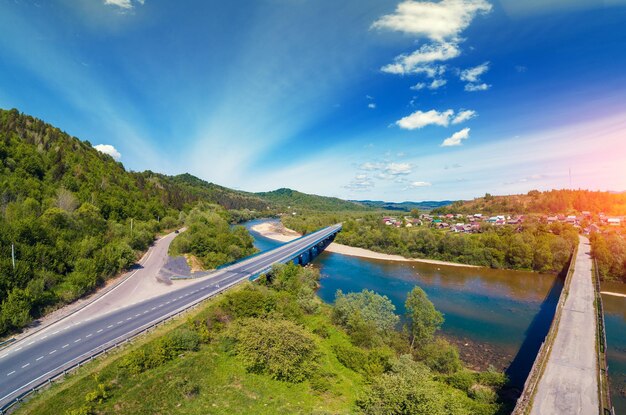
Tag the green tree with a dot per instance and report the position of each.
(423, 318)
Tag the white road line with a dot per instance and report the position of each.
(27, 364)
(39, 358)
(99, 331)
(44, 337)
(54, 351)
(28, 344)
(89, 335)
(4, 355)
(10, 373)
(76, 341)
(145, 312)
(55, 332)
(153, 308)
(137, 315)
(64, 346)
(18, 349)
(120, 322)
(108, 327)
(129, 318)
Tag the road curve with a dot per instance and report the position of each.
(32, 361)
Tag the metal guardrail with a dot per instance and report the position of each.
(77, 362)
(604, 389)
(523, 405)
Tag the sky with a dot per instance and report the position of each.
(359, 99)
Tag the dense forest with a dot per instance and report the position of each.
(301, 201)
(609, 251)
(536, 247)
(553, 201)
(211, 239)
(73, 217)
(273, 347)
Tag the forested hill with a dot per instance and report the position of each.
(76, 217)
(553, 201)
(297, 200)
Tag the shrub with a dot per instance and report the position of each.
(441, 357)
(462, 380)
(279, 348)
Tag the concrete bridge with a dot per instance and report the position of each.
(33, 361)
(568, 376)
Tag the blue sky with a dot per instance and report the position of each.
(388, 100)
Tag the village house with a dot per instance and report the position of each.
(614, 221)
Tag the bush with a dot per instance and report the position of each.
(251, 301)
(441, 357)
(279, 348)
(462, 380)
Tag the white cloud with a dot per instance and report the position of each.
(439, 21)
(437, 83)
(124, 4)
(110, 150)
(473, 74)
(456, 138)
(419, 60)
(463, 116)
(421, 119)
(420, 184)
(418, 86)
(472, 77)
(371, 166)
(398, 169)
(371, 105)
(360, 183)
(477, 87)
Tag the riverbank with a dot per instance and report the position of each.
(278, 232)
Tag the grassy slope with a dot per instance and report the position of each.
(225, 386)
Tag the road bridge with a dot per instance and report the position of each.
(31, 362)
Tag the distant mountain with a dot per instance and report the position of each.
(404, 206)
(297, 200)
(553, 201)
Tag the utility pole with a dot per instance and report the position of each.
(13, 255)
(570, 179)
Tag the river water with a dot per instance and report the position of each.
(495, 317)
(615, 322)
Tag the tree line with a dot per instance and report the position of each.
(536, 247)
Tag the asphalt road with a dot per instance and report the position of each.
(569, 384)
(33, 360)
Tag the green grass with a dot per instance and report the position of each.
(222, 382)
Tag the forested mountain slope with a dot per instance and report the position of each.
(297, 200)
(67, 210)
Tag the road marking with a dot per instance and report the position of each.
(65, 345)
(137, 315)
(27, 364)
(18, 349)
(129, 318)
(39, 358)
(108, 327)
(89, 335)
(10, 373)
(44, 337)
(55, 332)
(153, 308)
(4, 355)
(99, 331)
(54, 351)
(120, 322)
(145, 312)
(76, 341)
(28, 344)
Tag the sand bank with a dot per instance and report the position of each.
(278, 232)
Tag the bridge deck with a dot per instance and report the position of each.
(569, 382)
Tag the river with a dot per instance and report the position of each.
(495, 317)
(615, 322)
